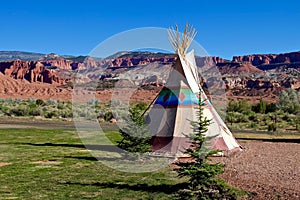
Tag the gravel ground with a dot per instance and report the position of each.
(268, 170)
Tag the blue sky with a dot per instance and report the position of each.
(225, 28)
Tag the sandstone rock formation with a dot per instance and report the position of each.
(59, 62)
(238, 68)
(252, 76)
(265, 59)
(32, 71)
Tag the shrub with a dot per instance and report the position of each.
(108, 116)
(31, 100)
(32, 106)
(60, 105)
(240, 106)
(232, 106)
(253, 125)
(272, 127)
(19, 111)
(39, 102)
(51, 102)
(244, 106)
(35, 112)
(51, 114)
(5, 110)
(242, 118)
(261, 107)
(297, 122)
(18, 101)
(67, 114)
(287, 118)
(248, 112)
(231, 117)
(289, 101)
(271, 107)
(93, 102)
(142, 106)
(253, 118)
(266, 118)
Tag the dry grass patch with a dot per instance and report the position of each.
(2, 164)
(47, 162)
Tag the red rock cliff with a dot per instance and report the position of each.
(269, 58)
(31, 71)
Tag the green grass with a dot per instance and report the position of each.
(53, 164)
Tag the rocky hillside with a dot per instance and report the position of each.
(266, 59)
(32, 71)
(251, 76)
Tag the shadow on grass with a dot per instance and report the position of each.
(123, 155)
(162, 188)
(108, 148)
(91, 158)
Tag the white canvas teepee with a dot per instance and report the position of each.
(170, 117)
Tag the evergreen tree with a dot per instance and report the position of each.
(262, 106)
(201, 173)
(135, 135)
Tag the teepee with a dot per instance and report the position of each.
(170, 117)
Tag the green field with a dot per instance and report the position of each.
(53, 164)
(37, 162)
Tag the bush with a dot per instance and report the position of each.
(19, 111)
(242, 118)
(31, 100)
(289, 101)
(247, 112)
(35, 112)
(232, 106)
(231, 117)
(297, 122)
(261, 107)
(51, 102)
(287, 118)
(271, 107)
(240, 106)
(142, 106)
(272, 127)
(51, 114)
(67, 114)
(108, 116)
(266, 118)
(93, 102)
(39, 102)
(60, 105)
(254, 118)
(5, 110)
(253, 125)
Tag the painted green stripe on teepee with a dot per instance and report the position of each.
(169, 97)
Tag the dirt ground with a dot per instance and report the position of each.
(267, 170)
